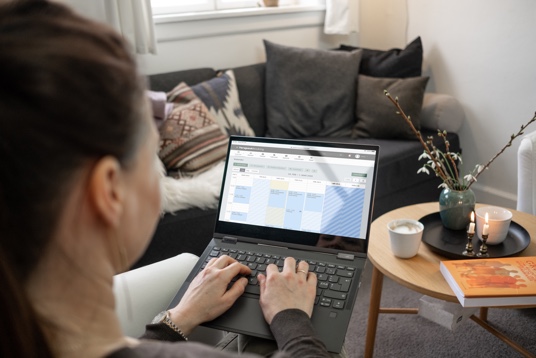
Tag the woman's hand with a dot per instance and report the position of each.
(294, 287)
(207, 296)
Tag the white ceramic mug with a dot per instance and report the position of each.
(498, 220)
(405, 236)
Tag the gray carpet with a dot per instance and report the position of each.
(410, 335)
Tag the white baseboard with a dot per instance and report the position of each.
(494, 196)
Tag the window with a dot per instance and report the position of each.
(161, 7)
(177, 6)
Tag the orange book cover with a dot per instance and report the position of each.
(492, 282)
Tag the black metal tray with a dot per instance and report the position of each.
(451, 243)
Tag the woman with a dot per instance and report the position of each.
(79, 200)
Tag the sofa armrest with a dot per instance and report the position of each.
(442, 111)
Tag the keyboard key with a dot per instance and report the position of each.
(335, 287)
(325, 300)
(323, 284)
(253, 281)
(214, 253)
(338, 304)
(320, 269)
(335, 294)
(345, 273)
(345, 284)
(261, 267)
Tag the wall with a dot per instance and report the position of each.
(235, 40)
(483, 52)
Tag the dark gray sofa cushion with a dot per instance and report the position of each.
(310, 92)
(377, 117)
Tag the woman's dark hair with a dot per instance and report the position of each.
(69, 94)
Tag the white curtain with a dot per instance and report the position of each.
(342, 17)
(131, 18)
(134, 20)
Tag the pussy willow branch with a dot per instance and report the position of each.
(400, 111)
(453, 166)
(512, 137)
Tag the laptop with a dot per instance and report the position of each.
(311, 200)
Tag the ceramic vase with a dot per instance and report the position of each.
(455, 208)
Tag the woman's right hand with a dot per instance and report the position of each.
(293, 287)
(207, 296)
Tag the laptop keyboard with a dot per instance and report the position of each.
(334, 281)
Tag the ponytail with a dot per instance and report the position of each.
(21, 334)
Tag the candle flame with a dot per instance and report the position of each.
(486, 218)
(472, 216)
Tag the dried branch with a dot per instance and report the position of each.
(438, 167)
(509, 144)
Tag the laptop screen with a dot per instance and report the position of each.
(298, 192)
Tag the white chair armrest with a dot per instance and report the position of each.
(442, 111)
(526, 174)
(142, 293)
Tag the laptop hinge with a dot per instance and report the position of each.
(229, 240)
(343, 256)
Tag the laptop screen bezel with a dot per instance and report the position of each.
(286, 237)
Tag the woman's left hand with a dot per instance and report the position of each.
(207, 296)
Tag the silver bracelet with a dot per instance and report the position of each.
(167, 320)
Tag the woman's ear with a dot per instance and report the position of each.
(106, 189)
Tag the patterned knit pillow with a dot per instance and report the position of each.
(220, 95)
(190, 140)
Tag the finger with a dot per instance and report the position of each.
(290, 265)
(211, 262)
(237, 289)
(312, 280)
(242, 269)
(271, 269)
(221, 262)
(235, 269)
(303, 266)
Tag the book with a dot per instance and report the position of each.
(506, 281)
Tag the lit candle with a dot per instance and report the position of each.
(472, 224)
(485, 229)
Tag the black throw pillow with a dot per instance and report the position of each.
(392, 63)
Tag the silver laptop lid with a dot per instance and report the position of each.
(298, 193)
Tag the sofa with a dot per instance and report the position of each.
(398, 183)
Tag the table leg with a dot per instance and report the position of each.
(374, 310)
(484, 314)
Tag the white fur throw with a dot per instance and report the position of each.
(201, 191)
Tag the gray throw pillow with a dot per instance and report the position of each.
(376, 115)
(310, 92)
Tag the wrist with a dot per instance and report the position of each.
(182, 321)
(163, 319)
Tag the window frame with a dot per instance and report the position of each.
(177, 7)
